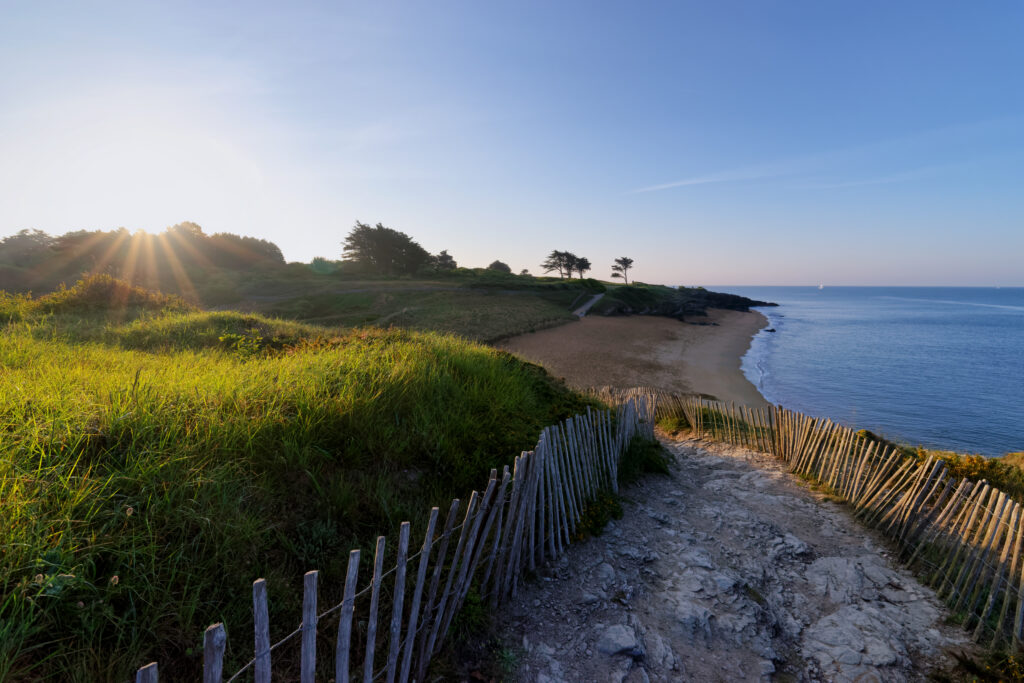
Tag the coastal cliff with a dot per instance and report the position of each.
(679, 303)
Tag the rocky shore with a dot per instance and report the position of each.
(681, 304)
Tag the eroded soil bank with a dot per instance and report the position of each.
(729, 570)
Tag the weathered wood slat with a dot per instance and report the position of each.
(429, 608)
(343, 647)
(371, 621)
(214, 641)
(261, 628)
(147, 674)
(417, 594)
(474, 500)
(307, 672)
(397, 603)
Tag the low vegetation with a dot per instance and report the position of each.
(157, 458)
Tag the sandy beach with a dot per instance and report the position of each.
(651, 351)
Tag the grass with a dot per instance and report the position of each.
(481, 315)
(156, 460)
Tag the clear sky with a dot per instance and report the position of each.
(755, 142)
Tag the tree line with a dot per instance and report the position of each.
(389, 252)
(33, 259)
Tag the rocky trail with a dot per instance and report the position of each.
(728, 570)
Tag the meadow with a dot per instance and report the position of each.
(156, 458)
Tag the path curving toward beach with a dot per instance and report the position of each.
(728, 570)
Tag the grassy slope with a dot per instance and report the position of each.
(478, 304)
(154, 462)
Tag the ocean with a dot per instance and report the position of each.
(940, 367)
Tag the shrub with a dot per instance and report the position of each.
(103, 292)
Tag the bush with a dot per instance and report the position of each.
(104, 293)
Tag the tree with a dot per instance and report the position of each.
(621, 268)
(383, 250)
(562, 261)
(524, 272)
(500, 267)
(444, 261)
(581, 265)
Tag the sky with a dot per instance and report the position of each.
(759, 142)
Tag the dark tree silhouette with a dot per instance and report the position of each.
(581, 265)
(383, 250)
(444, 261)
(562, 261)
(621, 268)
(500, 267)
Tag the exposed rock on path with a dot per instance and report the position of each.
(728, 570)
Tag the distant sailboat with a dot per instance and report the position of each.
(821, 286)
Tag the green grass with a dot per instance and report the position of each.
(153, 464)
(475, 314)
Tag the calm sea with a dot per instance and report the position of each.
(933, 366)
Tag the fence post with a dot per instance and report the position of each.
(261, 627)
(421, 575)
(147, 674)
(371, 626)
(398, 603)
(213, 654)
(344, 644)
(309, 621)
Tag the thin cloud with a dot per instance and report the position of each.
(807, 164)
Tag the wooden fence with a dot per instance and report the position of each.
(962, 538)
(523, 518)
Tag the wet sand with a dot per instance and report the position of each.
(649, 351)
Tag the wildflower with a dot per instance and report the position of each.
(130, 511)
(114, 579)
(81, 604)
(39, 578)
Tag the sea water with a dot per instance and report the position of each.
(939, 367)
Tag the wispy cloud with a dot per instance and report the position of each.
(721, 177)
(854, 155)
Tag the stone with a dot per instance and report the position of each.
(695, 619)
(617, 639)
(605, 574)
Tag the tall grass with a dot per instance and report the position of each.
(150, 469)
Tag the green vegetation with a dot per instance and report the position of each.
(1006, 473)
(642, 457)
(156, 459)
(636, 297)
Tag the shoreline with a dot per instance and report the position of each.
(650, 351)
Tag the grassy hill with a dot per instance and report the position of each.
(156, 458)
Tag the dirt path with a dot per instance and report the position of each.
(582, 310)
(727, 570)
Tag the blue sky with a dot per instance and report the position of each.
(712, 142)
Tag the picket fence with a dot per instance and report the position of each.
(523, 518)
(962, 538)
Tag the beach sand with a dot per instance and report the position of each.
(649, 351)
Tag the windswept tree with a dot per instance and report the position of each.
(621, 268)
(562, 261)
(500, 266)
(383, 250)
